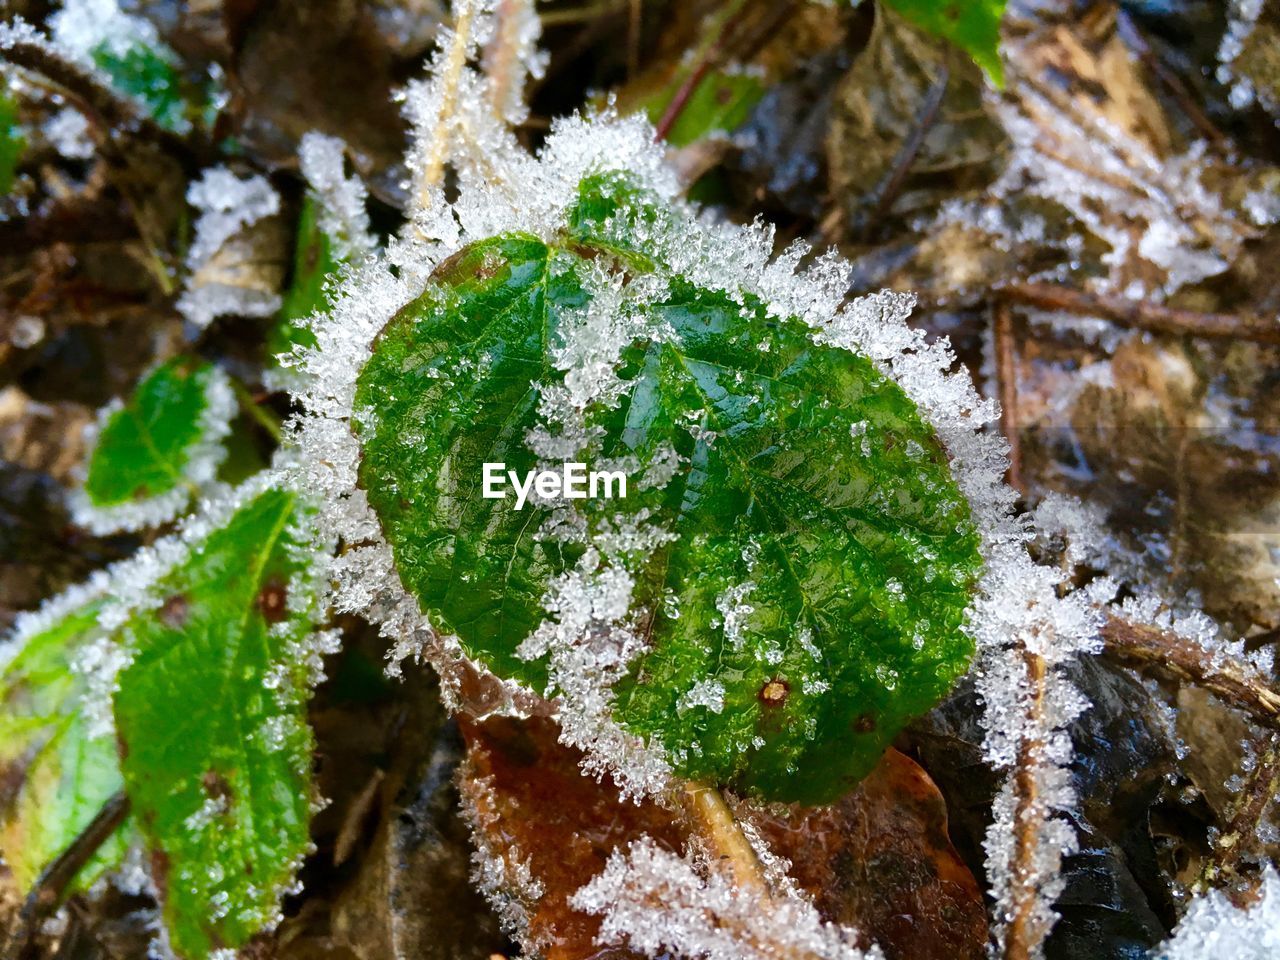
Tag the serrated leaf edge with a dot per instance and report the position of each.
(199, 471)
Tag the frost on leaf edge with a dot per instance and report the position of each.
(200, 469)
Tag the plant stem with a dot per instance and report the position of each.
(433, 169)
(1143, 314)
(708, 56)
(1240, 834)
(1240, 685)
(1007, 383)
(256, 412)
(1024, 934)
(54, 879)
(710, 818)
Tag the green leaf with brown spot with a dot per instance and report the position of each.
(211, 716)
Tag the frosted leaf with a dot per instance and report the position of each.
(197, 462)
(652, 900)
(1151, 211)
(222, 280)
(1214, 927)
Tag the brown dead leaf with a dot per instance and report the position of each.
(879, 860)
(882, 861)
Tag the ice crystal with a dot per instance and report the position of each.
(344, 217)
(1242, 20)
(652, 900)
(222, 279)
(1150, 210)
(503, 876)
(83, 26)
(68, 132)
(1214, 927)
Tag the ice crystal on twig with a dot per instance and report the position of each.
(1242, 20)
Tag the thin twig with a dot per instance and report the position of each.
(433, 168)
(1132, 36)
(1007, 382)
(1240, 835)
(1239, 684)
(712, 820)
(1024, 933)
(1143, 314)
(53, 881)
(708, 58)
(926, 117)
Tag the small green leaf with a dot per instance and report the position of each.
(155, 450)
(812, 596)
(720, 103)
(12, 142)
(150, 78)
(972, 25)
(211, 717)
(57, 775)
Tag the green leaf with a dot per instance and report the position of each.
(57, 775)
(720, 103)
(972, 25)
(150, 77)
(313, 264)
(211, 718)
(156, 449)
(12, 142)
(812, 600)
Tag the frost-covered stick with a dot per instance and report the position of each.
(714, 823)
(110, 114)
(1143, 314)
(432, 171)
(512, 57)
(1025, 931)
(1239, 684)
(1239, 837)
